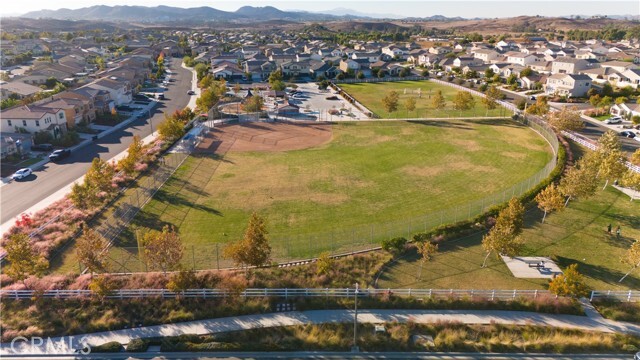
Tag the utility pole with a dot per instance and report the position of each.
(355, 322)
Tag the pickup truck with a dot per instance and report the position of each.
(59, 155)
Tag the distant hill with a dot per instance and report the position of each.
(157, 14)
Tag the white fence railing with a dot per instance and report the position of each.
(626, 295)
(593, 146)
(284, 293)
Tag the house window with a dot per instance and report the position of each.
(9, 122)
(37, 122)
(61, 115)
(24, 122)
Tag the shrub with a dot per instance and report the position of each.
(112, 346)
(138, 345)
(395, 245)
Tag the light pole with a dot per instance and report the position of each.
(355, 322)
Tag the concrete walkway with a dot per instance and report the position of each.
(67, 345)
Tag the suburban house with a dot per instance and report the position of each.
(575, 85)
(601, 74)
(299, 68)
(321, 68)
(7, 146)
(486, 55)
(17, 90)
(429, 59)
(619, 66)
(33, 119)
(519, 58)
(349, 64)
(530, 81)
(86, 101)
(288, 109)
(629, 77)
(461, 62)
(227, 71)
(625, 110)
(119, 90)
(567, 65)
(370, 56)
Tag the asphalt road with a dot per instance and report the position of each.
(591, 130)
(20, 196)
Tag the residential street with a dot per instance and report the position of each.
(20, 196)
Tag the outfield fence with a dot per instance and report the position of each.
(287, 248)
(454, 294)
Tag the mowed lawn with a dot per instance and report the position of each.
(575, 235)
(369, 175)
(371, 94)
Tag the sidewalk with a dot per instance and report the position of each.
(201, 327)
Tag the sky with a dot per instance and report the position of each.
(391, 8)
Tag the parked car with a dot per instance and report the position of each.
(42, 147)
(628, 134)
(59, 154)
(637, 357)
(21, 174)
(191, 92)
(613, 120)
(160, 96)
(532, 97)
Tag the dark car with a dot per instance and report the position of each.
(42, 147)
(628, 134)
(59, 154)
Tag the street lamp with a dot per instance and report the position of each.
(355, 322)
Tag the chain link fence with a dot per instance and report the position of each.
(301, 247)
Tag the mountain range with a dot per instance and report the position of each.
(171, 14)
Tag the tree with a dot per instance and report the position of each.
(567, 119)
(427, 251)
(503, 238)
(182, 280)
(607, 89)
(170, 128)
(395, 245)
(438, 101)
(570, 283)
(201, 70)
(488, 73)
(22, 258)
(610, 157)
(102, 286)
(206, 81)
(254, 248)
(390, 101)
(526, 72)
(463, 101)
(324, 264)
(91, 251)
(253, 104)
(208, 98)
(97, 185)
(490, 100)
(635, 157)
(540, 108)
(621, 100)
(161, 249)
(579, 181)
(550, 199)
(134, 153)
(360, 75)
(632, 258)
(410, 104)
(278, 85)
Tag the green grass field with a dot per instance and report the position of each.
(370, 173)
(575, 235)
(370, 95)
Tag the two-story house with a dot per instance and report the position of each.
(567, 65)
(574, 85)
(32, 119)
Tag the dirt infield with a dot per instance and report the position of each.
(278, 136)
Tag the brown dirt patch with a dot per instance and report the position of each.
(278, 136)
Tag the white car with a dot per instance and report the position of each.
(613, 120)
(21, 174)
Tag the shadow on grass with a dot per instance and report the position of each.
(441, 123)
(599, 272)
(498, 122)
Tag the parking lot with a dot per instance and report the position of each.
(316, 104)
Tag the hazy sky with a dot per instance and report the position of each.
(468, 8)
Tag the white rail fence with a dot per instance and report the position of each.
(593, 146)
(626, 295)
(284, 293)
